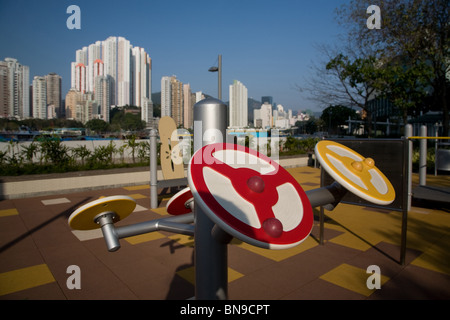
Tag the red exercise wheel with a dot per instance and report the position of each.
(250, 196)
(178, 204)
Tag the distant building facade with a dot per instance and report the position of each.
(238, 108)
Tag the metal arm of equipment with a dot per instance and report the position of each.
(328, 197)
(177, 224)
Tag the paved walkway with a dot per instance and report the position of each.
(37, 250)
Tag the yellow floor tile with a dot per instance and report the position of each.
(352, 278)
(188, 274)
(137, 196)
(183, 239)
(134, 188)
(145, 237)
(351, 241)
(437, 257)
(25, 278)
(278, 255)
(161, 211)
(8, 212)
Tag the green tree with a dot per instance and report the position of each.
(359, 78)
(335, 116)
(98, 125)
(414, 31)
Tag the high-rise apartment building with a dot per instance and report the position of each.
(109, 54)
(124, 75)
(94, 54)
(80, 77)
(53, 83)
(102, 96)
(39, 97)
(166, 96)
(72, 98)
(141, 76)
(188, 106)
(238, 109)
(128, 69)
(177, 100)
(98, 70)
(262, 118)
(4, 89)
(14, 89)
(147, 111)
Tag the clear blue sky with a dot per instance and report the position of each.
(266, 44)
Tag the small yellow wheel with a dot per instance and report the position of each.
(357, 174)
(85, 217)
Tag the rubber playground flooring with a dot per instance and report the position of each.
(39, 253)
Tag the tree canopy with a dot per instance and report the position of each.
(406, 60)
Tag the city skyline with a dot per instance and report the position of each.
(268, 45)
(128, 67)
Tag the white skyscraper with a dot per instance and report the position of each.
(94, 54)
(263, 117)
(80, 77)
(109, 50)
(128, 69)
(238, 110)
(97, 70)
(166, 97)
(141, 76)
(82, 56)
(15, 89)
(39, 97)
(124, 72)
(147, 111)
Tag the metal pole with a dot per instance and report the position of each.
(406, 196)
(153, 170)
(423, 157)
(435, 153)
(408, 133)
(220, 77)
(211, 258)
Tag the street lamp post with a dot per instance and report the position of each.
(219, 70)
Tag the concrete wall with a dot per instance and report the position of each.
(60, 184)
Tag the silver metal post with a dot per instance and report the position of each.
(408, 133)
(220, 77)
(105, 220)
(423, 157)
(153, 170)
(211, 258)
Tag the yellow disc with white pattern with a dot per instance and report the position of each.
(84, 217)
(357, 174)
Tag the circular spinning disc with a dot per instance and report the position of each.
(250, 196)
(177, 204)
(84, 217)
(357, 174)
